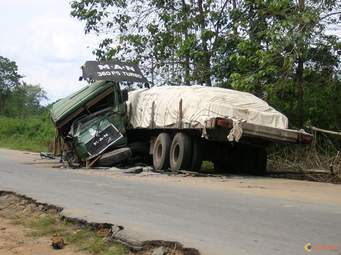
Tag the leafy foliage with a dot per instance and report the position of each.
(9, 79)
(30, 133)
(282, 50)
(283, 56)
(18, 98)
(24, 122)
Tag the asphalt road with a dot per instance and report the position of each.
(211, 220)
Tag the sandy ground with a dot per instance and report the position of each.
(295, 190)
(14, 240)
(18, 236)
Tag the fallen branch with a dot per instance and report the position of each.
(326, 131)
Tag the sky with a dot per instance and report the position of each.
(48, 45)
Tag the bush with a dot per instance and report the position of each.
(32, 133)
(323, 154)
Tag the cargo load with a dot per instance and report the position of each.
(199, 104)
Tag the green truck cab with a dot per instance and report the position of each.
(97, 132)
(93, 119)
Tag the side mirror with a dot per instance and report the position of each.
(124, 95)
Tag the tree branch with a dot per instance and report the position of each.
(217, 24)
(220, 16)
(330, 14)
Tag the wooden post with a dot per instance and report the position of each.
(180, 114)
(326, 131)
(57, 146)
(152, 122)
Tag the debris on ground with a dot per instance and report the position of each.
(47, 155)
(134, 170)
(57, 242)
(159, 251)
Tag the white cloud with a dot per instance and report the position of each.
(56, 39)
(46, 42)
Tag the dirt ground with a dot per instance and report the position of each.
(14, 240)
(18, 236)
(28, 227)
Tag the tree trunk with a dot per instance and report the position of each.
(186, 63)
(206, 65)
(153, 67)
(3, 101)
(300, 94)
(299, 73)
(234, 7)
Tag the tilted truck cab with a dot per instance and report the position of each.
(84, 118)
(93, 119)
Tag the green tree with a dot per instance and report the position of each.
(25, 100)
(17, 98)
(278, 50)
(9, 79)
(284, 44)
(175, 38)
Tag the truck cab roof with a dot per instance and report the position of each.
(91, 98)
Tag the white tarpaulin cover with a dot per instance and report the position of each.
(198, 105)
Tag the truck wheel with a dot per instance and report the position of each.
(161, 151)
(181, 152)
(218, 166)
(224, 160)
(252, 160)
(114, 157)
(260, 161)
(196, 155)
(139, 148)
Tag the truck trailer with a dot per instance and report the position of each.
(177, 126)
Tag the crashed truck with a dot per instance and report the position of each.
(174, 127)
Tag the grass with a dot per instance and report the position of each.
(32, 133)
(304, 157)
(207, 167)
(82, 238)
(47, 222)
(44, 226)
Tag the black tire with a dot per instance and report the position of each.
(197, 154)
(161, 151)
(260, 161)
(251, 160)
(224, 161)
(114, 157)
(217, 166)
(139, 148)
(181, 152)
